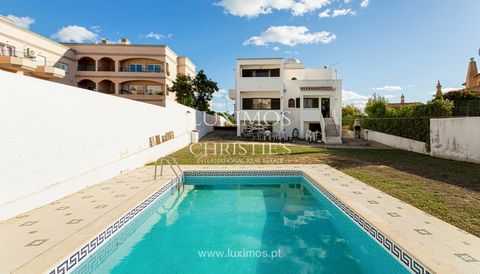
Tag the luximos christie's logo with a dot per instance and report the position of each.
(238, 149)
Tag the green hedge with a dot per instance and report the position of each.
(412, 122)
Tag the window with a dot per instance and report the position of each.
(61, 65)
(260, 72)
(154, 68)
(310, 103)
(135, 67)
(275, 73)
(247, 72)
(136, 89)
(291, 103)
(294, 78)
(261, 103)
(297, 102)
(154, 89)
(6, 50)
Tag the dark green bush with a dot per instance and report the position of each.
(411, 121)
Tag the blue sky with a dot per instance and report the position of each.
(385, 46)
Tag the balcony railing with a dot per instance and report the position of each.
(141, 92)
(141, 70)
(86, 68)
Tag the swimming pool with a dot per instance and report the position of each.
(243, 224)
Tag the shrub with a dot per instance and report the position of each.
(411, 121)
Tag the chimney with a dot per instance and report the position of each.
(471, 73)
(105, 41)
(402, 99)
(439, 92)
(125, 41)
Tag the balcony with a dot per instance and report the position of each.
(86, 68)
(15, 64)
(246, 84)
(49, 72)
(259, 115)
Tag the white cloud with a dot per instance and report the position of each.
(156, 36)
(74, 34)
(253, 8)
(23, 21)
(324, 14)
(338, 12)
(352, 97)
(365, 3)
(96, 29)
(344, 12)
(290, 36)
(291, 52)
(276, 48)
(389, 88)
(220, 93)
(445, 90)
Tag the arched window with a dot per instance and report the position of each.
(294, 78)
(291, 103)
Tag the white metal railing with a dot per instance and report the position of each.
(180, 177)
(322, 126)
(337, 123)
(338, 126)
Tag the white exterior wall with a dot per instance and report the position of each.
(300, 116)
(284, 88)
(396, 141)
(456, 138)
(57, 139)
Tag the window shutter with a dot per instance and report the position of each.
(276, 103)
(247, 103)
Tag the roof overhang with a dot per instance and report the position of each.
(317, 88)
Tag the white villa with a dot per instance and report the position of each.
(288, 97)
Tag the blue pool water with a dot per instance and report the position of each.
(242, 225)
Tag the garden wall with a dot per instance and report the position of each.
(57, 139)
(396, 142)
(456, 138)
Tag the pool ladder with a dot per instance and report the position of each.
(169, 160)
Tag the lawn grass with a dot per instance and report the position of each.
(449, 190)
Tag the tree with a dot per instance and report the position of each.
(376, 106)
(351, 110)
(184, 91)
(204, 89)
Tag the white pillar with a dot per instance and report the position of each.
(281, 111)
(301, 133)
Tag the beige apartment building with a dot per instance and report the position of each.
(25, 52)
(138, 72)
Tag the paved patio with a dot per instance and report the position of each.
(230, 136)
(38, 240)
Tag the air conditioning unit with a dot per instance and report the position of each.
(30, 53)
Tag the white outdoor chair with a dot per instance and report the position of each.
(267, 134)
(310, 137)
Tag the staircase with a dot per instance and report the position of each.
(331, 132)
